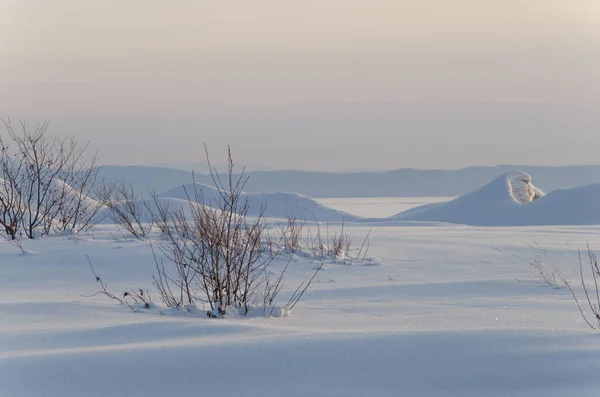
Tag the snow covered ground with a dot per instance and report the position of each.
(449, 310)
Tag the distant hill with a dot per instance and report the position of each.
(397, 183)
(145, 179)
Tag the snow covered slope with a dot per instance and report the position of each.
(512, 200)
(577, 206)
(499, 202)
(278, 205)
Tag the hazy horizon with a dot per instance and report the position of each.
(202, 167)
(326, 85)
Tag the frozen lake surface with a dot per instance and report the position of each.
(379, 207)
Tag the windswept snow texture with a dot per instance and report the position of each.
(511, 200)
(450, 311)
(276, 205)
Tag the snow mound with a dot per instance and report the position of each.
(509, 200)
(576, 206)
(277, 205)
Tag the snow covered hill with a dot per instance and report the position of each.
(512, 200)
(277, 205)
(577, 206)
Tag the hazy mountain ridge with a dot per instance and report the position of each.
(405, 182)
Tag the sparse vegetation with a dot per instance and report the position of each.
(128, 210)
(543, 267)
(302, 238)
(588, 299)
(46, 184)
(590, 282)
(128, 298)
(217, 253)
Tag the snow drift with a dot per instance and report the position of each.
(497, 203)
(512, 200)
(576, 206)
(277, 205)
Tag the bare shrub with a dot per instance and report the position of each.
(139, 297)
(129, 298)
(299, 292)
(364, 247)
(12, 208)
(588, 279)
(542, 268)
(292, 234)
(299, 238)
(591, 300)
(18, 243)
(128, 210)
(316, 244)
(160, 212)
(46, 182)
(340, 243)
(221, 246)
(217, 250)
(178, 290)
(45, 159)
(81, 205)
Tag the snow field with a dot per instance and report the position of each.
(449, 310)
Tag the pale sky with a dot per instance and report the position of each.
(311, 84)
